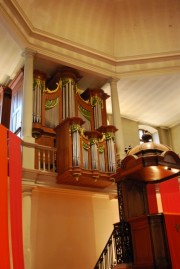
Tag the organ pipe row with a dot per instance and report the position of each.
(38, 88)
(98, 147)
(97, 107)
(49, 109)
(68, 93)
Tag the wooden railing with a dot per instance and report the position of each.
(118, 249)
(45, 157)
(108, 258)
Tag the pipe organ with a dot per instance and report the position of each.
(76, 124)
(38, 89)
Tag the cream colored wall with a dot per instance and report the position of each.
(169, 137)
(165, 136)
(175, 136)
(70, 228)
(130, 133)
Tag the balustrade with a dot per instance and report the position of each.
(45, 157)
(107, 258)
(117, 249)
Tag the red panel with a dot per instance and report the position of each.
(173, 234)
(15, 173)
(4, 240)
(152, 201)
(170, 195)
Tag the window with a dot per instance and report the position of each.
(16, 111)
(149, 129)
(141, 133)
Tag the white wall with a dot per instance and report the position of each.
(130, 132)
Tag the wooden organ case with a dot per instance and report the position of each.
(76, 124)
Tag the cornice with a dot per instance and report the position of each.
(47, 182)
(15, 12)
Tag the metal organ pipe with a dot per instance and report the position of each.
(85, 158)
(68, 98)
(72, 99)
(39, 105)
(102, 161)
(37, 98)
(34, 105)
(67, 101)
(94, 155)
(111, 155)
(75, 145)
(98, 114)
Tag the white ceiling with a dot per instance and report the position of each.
(153, 100)
(11, 59)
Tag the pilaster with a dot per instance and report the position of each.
(26, 209)
(27, 108)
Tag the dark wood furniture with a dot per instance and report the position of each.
(145, 164)
(6, 95)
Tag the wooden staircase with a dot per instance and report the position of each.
(117, 253)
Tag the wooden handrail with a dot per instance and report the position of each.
(118, 249)
(38, 146)
(107, 259)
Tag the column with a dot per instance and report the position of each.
(117, 122)
(26, 209)
(27, 108)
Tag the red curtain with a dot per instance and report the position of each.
(170, 196)
(10, 213)
(4, 237)
(15, 173)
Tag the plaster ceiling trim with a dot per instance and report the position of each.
(118, 67)
(146, 70)
(48, 37)
(15, 12)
